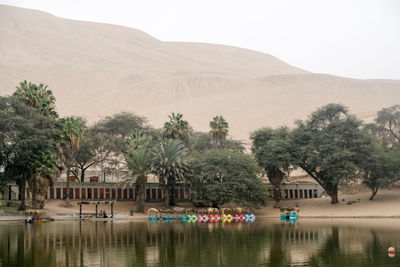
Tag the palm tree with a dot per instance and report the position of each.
(44, 169)
(177, 128)
(138, 158)
(219, 130)
(38, 97)
(170, 166)
(70, 134)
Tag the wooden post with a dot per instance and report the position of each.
(96, 209)
(80, 210)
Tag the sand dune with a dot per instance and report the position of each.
(98, 69)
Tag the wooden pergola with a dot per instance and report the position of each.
(111, 202)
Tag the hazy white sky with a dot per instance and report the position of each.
(352, 38)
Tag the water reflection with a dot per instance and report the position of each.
(204, 244)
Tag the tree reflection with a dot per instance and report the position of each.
(183, 244)
(374, 253)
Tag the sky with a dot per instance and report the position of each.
(350, 38)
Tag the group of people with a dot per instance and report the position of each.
(103, 214)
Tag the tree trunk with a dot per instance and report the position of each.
(275, 177)
(83, 175)
(277, 195)
(172, 193)
(67, 202)
(374, 191)
(166, 196)
(141, 195)
(34, 195)
(22, 192)
(332, 192)
(334, 196)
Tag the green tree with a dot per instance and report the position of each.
(219, 131)
(24, 134)
(170, 166)
(69, 136)
(272, 151)
(115, 130)
(387, 126)
(379, 167)
(328, 146)
(38, 97)
(42, 100)
(139, 157)
(120, 126)
(177, 128)
(44, 170)
(380, 164)
(222, 176)
(236, 146)
(95, 148)
(201, 142)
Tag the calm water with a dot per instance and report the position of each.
(263, 243)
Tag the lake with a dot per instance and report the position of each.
(353, 242)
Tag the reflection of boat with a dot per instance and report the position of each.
(35, 220)
(205, 218)
(35, 216)
(289, 215)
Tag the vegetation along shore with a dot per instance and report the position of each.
(332, 147)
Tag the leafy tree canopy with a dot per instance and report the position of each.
(118, 128)
(387, 126)
(201, 142)
(381, 163)
(177, 128)
(38, 97)
(272, 150)
(328, 146)
(121, 124)
(223, 176)
(25, 133)
(379, 166)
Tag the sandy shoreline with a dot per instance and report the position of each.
(385, 205)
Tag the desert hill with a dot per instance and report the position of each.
(97, 69)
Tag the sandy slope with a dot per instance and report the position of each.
(98, 69)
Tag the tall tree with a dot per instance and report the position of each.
(138, 157)
(177, 128)
(41, 99)
(327, 147)
(38, 97)
(69, 135)
(381, 163)
(272, 151)
(24, 134)
(379, 167)
(170, 165)
(219, 131)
